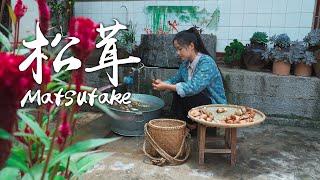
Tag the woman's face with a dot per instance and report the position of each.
(184, 52)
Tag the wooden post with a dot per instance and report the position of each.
(202, 142)
(227, 138)
(233, 140)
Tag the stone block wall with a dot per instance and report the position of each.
(286, 100)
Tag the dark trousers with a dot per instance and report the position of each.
(181, 106)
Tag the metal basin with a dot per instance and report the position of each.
(131, 123)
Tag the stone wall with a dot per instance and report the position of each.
(158, 50)
(287, 100)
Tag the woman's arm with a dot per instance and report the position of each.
(162, 85)
(175, 78)
(206, 71)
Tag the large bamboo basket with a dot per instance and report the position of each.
(168, 134)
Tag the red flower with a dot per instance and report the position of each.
(46, 70)
(85, 30)
(13, 86)
(44, 15)
(13, 81)
(60, 140)
(48, 132)
(77, 78)
(64, 128)
(28, 130)
(20, 9)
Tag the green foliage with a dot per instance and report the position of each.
(80, 147)
(281, 41)
(280, 50)
(59, 15)
(18, 160)
(298, 53)
(9, 173)
(36, 154)
(35, 127)
(259, 38)
(277, 54)
(160, 14)
(234, 51)
(4, 40)
(214, 20)
(126, 39)
(4, 134)
(312, 38)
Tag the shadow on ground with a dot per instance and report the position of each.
(264, 152)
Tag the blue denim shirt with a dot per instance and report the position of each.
(206, 78)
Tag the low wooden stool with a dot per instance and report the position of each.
(230, 137)
(230, 140)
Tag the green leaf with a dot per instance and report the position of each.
(35, 173)
(23, 51)
(9, 173)
(51, 85)
(89, 161)
(12, 15)
(21, 134)
(15, 162)
(80, 147)
(6, 30)
(4, 134)
(77, 156)
(20, 153)
(35, 127)
(5, 42)
(59, 74)
(72, 166)
(58, 178)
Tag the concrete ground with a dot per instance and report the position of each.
(264, 152)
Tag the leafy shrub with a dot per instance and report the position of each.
(234, 51)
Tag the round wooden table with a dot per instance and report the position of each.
(230, 135)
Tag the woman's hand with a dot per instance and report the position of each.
(159, 85)
(162, 86)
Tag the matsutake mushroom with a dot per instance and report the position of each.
(221, 110)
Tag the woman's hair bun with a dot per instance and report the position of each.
(194, 30)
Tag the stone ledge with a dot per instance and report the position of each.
(288, 100)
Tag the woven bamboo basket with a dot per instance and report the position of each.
(169, 134)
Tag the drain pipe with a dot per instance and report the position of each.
(127, 14)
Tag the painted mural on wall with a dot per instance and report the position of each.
(166, 19)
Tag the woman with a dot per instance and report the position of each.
(198, 80)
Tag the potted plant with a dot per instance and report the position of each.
(302, 58)
(126, 45)
(279, 54)
(253, 54)
(312, 39)
(61, 13)
(313, 42)
(234, 53)
(126, 41)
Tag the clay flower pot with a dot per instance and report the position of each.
(253, 57)
(302, 69)
(316, 66)
(281, 68)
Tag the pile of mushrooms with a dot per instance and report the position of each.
(242, 115)
(202, 114)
